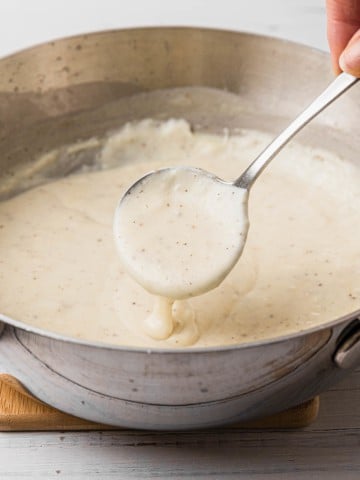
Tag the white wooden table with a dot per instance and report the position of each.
(330, 448)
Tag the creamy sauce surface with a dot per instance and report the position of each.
(59, 267)
(180, 231)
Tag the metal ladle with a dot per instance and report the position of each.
(336, 88)
(245, 182)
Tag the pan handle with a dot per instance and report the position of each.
(347, 354)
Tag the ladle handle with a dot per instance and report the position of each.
(333, 91)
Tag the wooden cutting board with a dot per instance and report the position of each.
(19, 411)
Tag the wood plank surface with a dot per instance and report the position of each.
(327, 449)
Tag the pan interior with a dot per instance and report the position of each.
(63, 102)
(200, 113)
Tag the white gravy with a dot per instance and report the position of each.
(179, 233)
(59, 268)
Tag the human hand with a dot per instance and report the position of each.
(343, 27)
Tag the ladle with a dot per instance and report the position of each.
(155, 254)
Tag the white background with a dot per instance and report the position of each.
(26, 22)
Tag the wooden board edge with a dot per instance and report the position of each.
(20, 411)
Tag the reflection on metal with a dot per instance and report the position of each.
(348, 353)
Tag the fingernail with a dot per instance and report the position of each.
(349, 60)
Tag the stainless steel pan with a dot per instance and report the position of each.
(60, 92)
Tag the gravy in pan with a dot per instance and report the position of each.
(59, 268)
